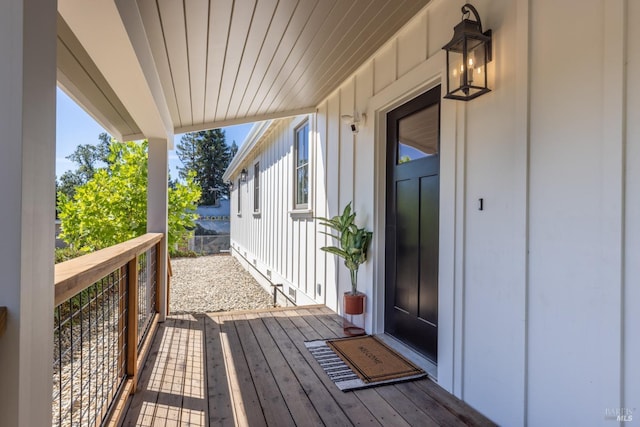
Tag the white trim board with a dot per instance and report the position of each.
(422, 78)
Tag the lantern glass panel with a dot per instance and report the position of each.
(476, 65)
(456, 70)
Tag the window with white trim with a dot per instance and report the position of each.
(256, 187)
(239, 196)
(301, 177)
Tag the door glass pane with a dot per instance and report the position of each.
(418, 135)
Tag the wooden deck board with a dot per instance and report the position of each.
(322, 331)
(293, 394)
(253, 369)
(220, 409)
(142, 406)
(273, 404)
(324, 404)
(383, 412)
(348, 403)
(247, 409)
(427, 404)
(453, 404)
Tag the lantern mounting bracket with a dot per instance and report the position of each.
(467, 9)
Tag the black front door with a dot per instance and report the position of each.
(413, 166)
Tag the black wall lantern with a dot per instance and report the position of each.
(468, 54)
(243, 175)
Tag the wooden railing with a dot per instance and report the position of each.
(105, 313)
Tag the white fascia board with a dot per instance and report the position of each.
(102, 31)
(86, 104)
(242, 120)
(132, 21)
(256, 133)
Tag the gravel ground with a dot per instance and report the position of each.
(214, 283)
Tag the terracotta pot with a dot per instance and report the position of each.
(354, 304)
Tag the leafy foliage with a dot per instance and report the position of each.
(207, 155)
(88, 158)
(64, 254)
(183, 200)
(183, 253)
(111, 207)
(354, 242)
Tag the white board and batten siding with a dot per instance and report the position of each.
(538, 318)
(278, 241)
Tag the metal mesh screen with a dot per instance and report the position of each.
(207, 245)
(146, 292)
(89, 352)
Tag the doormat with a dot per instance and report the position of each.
(361, 362)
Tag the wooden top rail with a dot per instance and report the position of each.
(3, 320)
(77, 274)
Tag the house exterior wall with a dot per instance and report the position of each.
(269, 238)
(538, 295)
(630, 267)
(582, 210)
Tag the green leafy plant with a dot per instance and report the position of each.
(65, 254)
(111, 207)
(354, 242)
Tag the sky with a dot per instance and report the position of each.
(76, 127)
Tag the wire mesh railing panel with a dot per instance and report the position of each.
(89, 352)
(146, 292)
(207, 245)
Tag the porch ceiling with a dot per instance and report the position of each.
(211, 63)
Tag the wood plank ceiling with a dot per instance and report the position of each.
(222, 62)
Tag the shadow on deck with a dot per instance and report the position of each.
(252, 369)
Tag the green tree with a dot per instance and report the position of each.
(233, 149)
(206, 154)
(88, 159)
(111, 207)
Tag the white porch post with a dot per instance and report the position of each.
(27, 176)
(157, 208)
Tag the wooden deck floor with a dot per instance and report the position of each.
(252, 369)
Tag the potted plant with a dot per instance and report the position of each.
(354, 243)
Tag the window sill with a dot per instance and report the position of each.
(301, 213)
(239, 215)
(257, 214)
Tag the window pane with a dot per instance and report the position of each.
(418, 135)
(256, 174)
(239, 192)
(302, 148)
(302, 166)
(305, 144)
(302, 185)
(256, 187)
